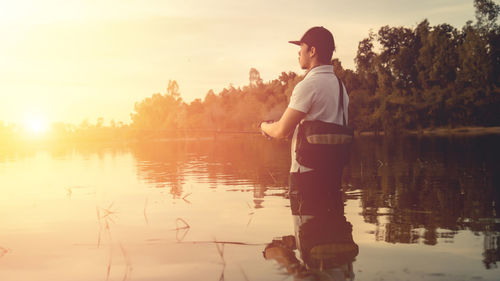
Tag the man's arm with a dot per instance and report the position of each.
(285, 125)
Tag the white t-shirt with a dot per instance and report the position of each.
(318, 96)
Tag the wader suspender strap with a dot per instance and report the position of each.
(341, 101)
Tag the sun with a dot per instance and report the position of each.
(36, 126)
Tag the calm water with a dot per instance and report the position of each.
(420, 209)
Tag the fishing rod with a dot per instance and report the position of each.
(198, 131)
(208, 131)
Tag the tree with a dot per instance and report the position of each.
(365, 63)
(475, 64)
(486, 14)
(285, 78)
(159, 111)
(254, 77)
(100, 122)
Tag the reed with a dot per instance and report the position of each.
(3, 251)
(69, 191)
(144, 211)
(178, 229)
(274, 179)
(224, 242)
(128, 263)
(184, 198)
(244, 274)
(105, 219)
(250, 214)
(220, 250)
(186, 225)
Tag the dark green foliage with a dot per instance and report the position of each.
(429, 76)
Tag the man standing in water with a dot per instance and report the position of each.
(316, 97)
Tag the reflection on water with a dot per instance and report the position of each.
(323, 236)
(419, 209)
(425, 190)
(235, 164)
(409, 188)
(413, 190)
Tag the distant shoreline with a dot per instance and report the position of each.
(445, 131)
(10, 141)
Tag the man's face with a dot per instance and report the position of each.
(304, 56)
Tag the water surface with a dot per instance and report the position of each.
(420, 209)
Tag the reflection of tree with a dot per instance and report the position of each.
(161, 164)
(11, 155)
(231, 161)
(414, 188)
(62, 151)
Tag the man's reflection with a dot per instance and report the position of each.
(323, 236)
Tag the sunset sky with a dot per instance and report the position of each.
(71, 60)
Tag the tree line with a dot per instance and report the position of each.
(405, 79)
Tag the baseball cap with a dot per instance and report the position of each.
(318, 37)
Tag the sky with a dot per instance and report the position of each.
(67, 61)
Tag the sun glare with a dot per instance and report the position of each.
(36, 126)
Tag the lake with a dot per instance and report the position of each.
(413, 209)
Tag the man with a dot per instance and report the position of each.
(316, 97)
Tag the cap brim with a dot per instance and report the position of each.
(295, 42)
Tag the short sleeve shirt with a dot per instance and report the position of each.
(317, 95)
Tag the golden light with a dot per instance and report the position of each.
(36, 126)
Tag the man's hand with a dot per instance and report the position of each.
(262, 125)
(285, 125)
